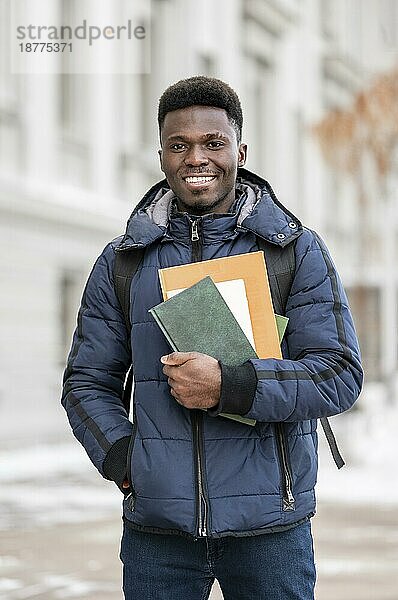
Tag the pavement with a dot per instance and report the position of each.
(356, 554)
(60, 524)
(356, 550)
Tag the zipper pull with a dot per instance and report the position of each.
(130, 501)
(290, 496)
(194, 231)
(288, 504)
(289, 501)
(204, 528)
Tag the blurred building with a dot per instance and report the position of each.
(78, 151)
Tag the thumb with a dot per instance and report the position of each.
(177, 358)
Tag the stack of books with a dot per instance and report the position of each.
(223, 308)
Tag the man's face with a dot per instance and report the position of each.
(200, 156)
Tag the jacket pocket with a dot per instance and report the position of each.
(132, 496)
(288, 501)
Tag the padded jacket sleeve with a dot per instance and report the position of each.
(321, 374)
(93, 380)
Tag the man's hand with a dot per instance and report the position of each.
(194, 378)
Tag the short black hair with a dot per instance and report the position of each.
(205, 91)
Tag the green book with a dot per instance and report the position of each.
(199, 320)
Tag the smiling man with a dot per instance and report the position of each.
(206, 497)
(200, 154)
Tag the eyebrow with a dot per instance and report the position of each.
(206, 136)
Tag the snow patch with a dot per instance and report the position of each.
(7, 585)
(41, 461)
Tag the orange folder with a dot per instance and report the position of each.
(250, 268)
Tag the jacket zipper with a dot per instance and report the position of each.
(196, 240)
(197, 415)
(202, 502)
(288, 498)
(131, 497)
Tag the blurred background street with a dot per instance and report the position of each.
(318, 82)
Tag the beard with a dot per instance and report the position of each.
(201, 207)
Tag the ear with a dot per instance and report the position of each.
(160, 160)
(242, 155)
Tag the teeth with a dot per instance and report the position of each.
(198, 179)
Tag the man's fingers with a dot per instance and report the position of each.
(178, 358)
(175, 395)
(173, 385)
(167, 370)
(170, 371)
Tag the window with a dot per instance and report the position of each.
(389, 24)
(71, 285)
(299, 148)
(73, 108)
(328, 18)
(207, 65)
(365, 305)
(8, 81)
(260, 107)
(11, 154)
(138, 109)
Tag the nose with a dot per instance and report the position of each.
(196, 156)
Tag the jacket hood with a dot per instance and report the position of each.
(260, 212)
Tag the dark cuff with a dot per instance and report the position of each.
(238, 387)
(115, 463)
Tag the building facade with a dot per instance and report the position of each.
(78, 151)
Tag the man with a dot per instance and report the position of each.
(207, 497)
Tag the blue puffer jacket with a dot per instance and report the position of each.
(197, 473)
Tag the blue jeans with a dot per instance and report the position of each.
(274, 566)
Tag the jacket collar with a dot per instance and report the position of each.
(261, 213)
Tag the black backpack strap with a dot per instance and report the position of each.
(281, 266)
(331, 440)
(125, 267)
